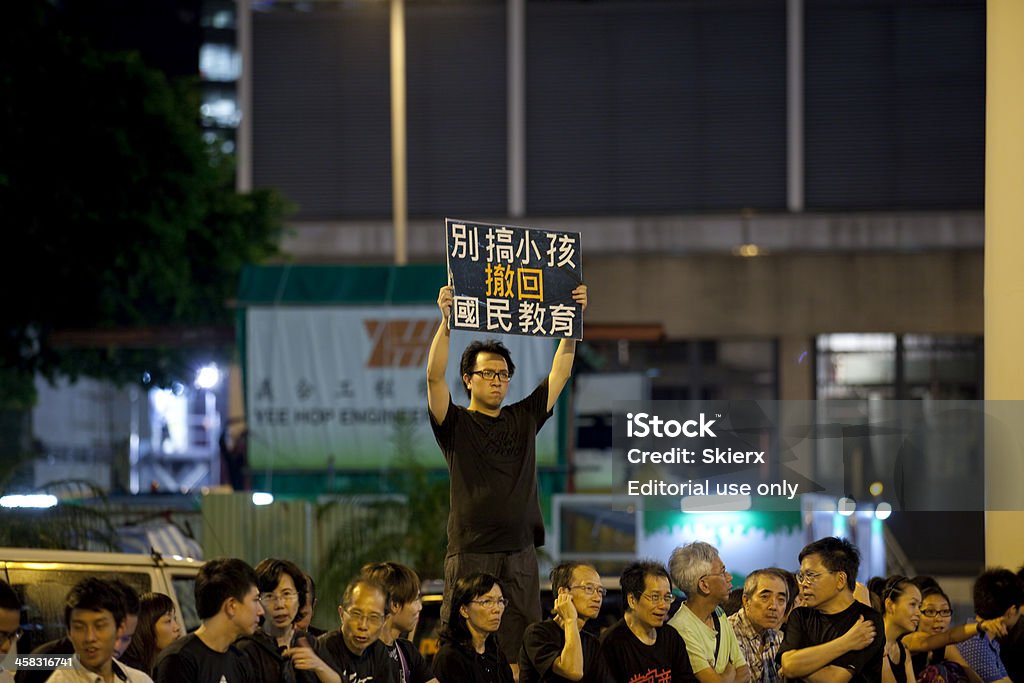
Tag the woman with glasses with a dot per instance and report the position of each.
(931, 646)
(158, 627)
(277, 652)
(469, 650)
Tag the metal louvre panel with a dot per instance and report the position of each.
(456, 80)
(321, 110)
(656, 106)
(895, 104)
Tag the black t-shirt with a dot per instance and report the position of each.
(189, 659)
(460, 663)
(372, 666)
(492, 463)
(807, 627)
(408, 662)
(265, 659)
(632, 661)
(543, 643)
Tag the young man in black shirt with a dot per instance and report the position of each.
(355, 650)
(833, 637)
(403, 587)
(559, 650)
(228, 603)
(495, 523)
(640, 648)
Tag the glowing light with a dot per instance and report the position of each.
(208, 377)
(883, 511)
(36, 500)
(846, 506)
(747, 250)
(876, 488)
(262, 498)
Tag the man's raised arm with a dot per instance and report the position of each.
(561, 366)
(437, 361)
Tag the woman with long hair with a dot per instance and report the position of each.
(469, 650)
(158, 627)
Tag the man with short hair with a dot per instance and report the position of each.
(558, 650)
(997, 593)
(228, 603)
(403, 587)
(495, 524)
(131, 614)
(757, 622)
(637, 648)
(832, 637)
(307, 610)
(94, 614)
(10, 630)
(715, 654)
(355, 650)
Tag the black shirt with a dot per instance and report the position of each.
(542, 645)
(460, 663)
(492, 463)
(632, 661)
(408, 662)
(372, 666)
(266, 660)
(807, 627)
(189, 659)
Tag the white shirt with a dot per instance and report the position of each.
(79, 674)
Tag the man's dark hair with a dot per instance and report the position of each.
(635, 575)
(268, 575)
(467, 589)
(561, 576)
(838, 555)
(219, 580)
(489, 346)
(996, 591)
(311, 587)
(94, 595)
(401, 583)
(128, 596)
(8, 598)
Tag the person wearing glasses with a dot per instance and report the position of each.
(355, 650)
(758, 622)
(403, 587)
(715, 653)
(469, 651)
(495, 524)
(933, 643)
(558, 649)
(833, 636)
(637, 647)
(10, 630)
(277, 652)
(228, 603)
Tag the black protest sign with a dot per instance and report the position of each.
(511, 280)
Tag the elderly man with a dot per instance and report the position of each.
(756, 624)
(715, 655)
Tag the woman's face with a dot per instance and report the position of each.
(905, 610)
(166, 630)
(280, 606)
(483, 613)
(935, 614)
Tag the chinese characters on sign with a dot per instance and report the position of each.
(514, 280)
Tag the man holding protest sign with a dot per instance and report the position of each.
(495, 521)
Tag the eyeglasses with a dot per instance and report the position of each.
(590, 589)
(655, 598)
(11, 636)
(374, 620)
(491, 603)
(724, 574)
(932, 613)
(503, 375)
(810, 577)
(286, 596)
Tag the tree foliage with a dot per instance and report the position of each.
(117, 213)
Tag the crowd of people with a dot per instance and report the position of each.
(817, 624)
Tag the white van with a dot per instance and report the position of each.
(42, 579)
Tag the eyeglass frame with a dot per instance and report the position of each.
(667, 598)
(273, 598)
(944, 613)
(590, 589)
(723, 574)
(12, 636)
(811, 578)
(368, 619)
(497, 375)
(491, 603)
